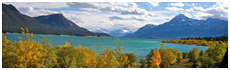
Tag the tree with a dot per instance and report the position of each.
(67, 56)
(168, 56)
(9, 54)
(155, 59)
(49, 54)
(213, 56)
(132, 59)
(185, 55)
(193, 56)
(201, 53)
(121, 58)
(106, 59)
(22, 54)
(143, 63)
(179, 57)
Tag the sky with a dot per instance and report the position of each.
(126, 16)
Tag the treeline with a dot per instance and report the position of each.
(220, 38)
(206, 41)
(211, 57)
(190, 42)
(34, 54)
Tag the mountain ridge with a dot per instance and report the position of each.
(13, 20)
(181, 26)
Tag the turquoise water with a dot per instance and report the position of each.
(140, 47)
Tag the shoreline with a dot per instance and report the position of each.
(185, 44)
(58, 35)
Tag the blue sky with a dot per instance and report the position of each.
(127, 16)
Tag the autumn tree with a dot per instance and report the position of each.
(49, 57)
(168, 56)
(153, 59)
(120, 57)
(106, 59)
(67, 56)
(24, 53)
(214, 54)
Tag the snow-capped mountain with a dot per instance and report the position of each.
(181, 26)
(114, 33)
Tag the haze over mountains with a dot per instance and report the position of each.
(55, 24)
(181, 27)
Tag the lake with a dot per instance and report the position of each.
(140, 47)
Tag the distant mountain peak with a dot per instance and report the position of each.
(58, 14)
(56, 20)
(56, 24)
(150, 25)
(181, 26)
(180, 17)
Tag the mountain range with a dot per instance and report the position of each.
(178, 27)
(182, 27)
(114, 33)
(57, 24)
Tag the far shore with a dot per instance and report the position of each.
(59, 35)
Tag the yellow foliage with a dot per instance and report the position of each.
(106, 59)
(155, 59)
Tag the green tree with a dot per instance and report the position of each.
(213, 56)
(168, 56)
(193, 56)
(49, 54)
(133, 60)
(185, 55)
(121, 58)
(179, 57)
(143, 63)
(201, 53)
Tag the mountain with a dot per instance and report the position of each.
(57, 24)
(119, 32)
(181, 27)
(114, 33)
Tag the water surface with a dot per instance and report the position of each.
(140, 47)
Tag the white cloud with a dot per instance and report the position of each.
(173, 9)
(195, 9)
(26, 9)
(154, 4)
(38, 4)
(202, 16)
(90, 20)
(222, 4)
(179, 4)
(126, 17)
(187, 14)
(123, 8)
(215, 11)
(33, 13)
